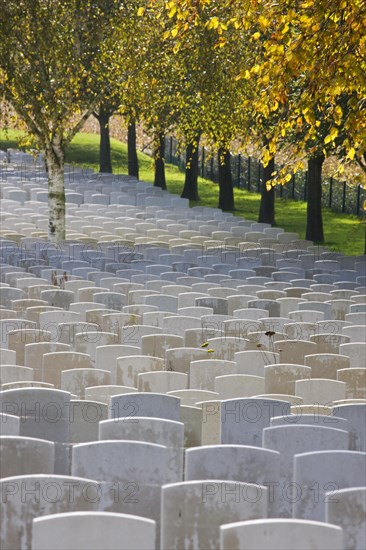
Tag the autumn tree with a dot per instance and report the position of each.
(206, 101)
(103, 114)
(317, 148)
(52, 56)
(267, 203)
(157, 87)
(132, 160)
(133, 91)
(195, 59)
(319, 45)
(319, 49)
(190, 188)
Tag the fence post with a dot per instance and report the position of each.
(259, 178)
(249, 174)
(171, 149)
(293, 186)
(212, 166)
(358, 200)
(239, 169)
(306, 186)
(344, 197)
(330, 192)
(203, 162)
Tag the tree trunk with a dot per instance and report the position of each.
(55, 160)
(190, 189)
(159, 180)
(226, 194)
(314, 221)
(105, 161)
(267, 205)
(133, 163)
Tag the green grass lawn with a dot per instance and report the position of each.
(343, 232)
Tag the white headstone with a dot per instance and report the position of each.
(347, 509)
(93, 531)
(236, 462)
(280, 534)
(323, 472)
(27, 497)
(192, 512)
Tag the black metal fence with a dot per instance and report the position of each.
(247, 174)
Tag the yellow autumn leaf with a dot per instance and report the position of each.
(305, 19)
(172, 11)
(256, 35)
(338, 113)
(331, 136)
(213, 23)
(263, 22)
(351, 153)
(140, 11)
(266, 157)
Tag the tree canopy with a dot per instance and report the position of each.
(319, 46)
